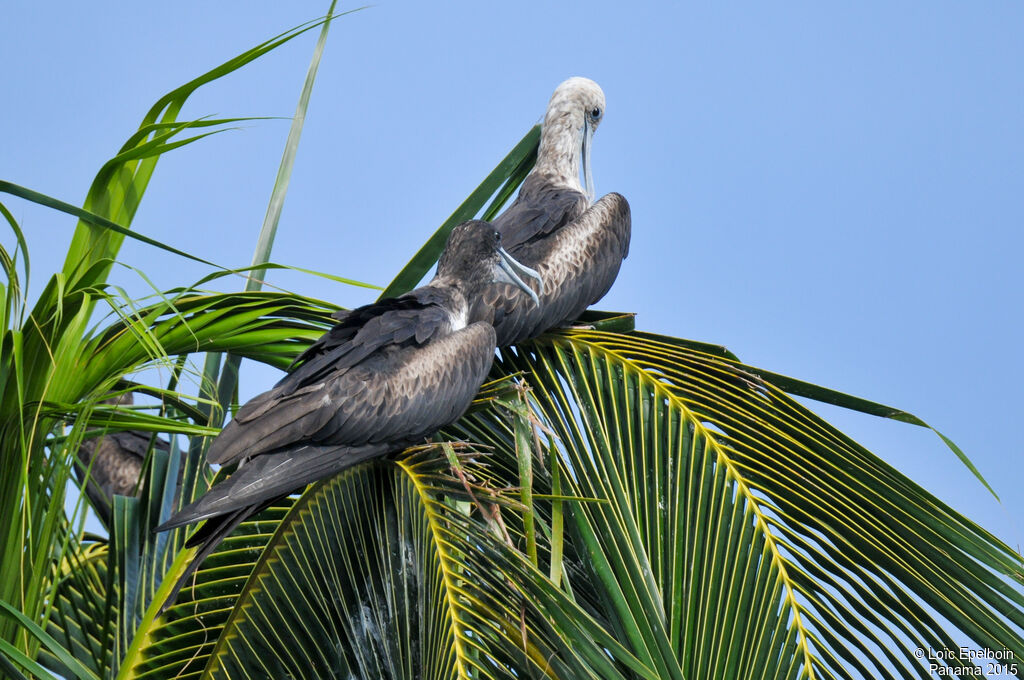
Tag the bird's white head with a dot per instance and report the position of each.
(574, 112)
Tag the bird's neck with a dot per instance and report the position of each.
(456, 297)
(453, 288)
(558, 158)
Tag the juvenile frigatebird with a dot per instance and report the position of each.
(386, 376)
(575, 244)
(111, 464)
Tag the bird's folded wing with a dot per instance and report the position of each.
(382, 411)
(396, 321)
(539, 210)
(273, 420)
(578, 265)
(418, 397)
(383, 395)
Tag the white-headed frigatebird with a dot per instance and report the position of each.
(387, 376)
(553, 226)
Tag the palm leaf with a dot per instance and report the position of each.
(178, 644)
(376, 573)
(501, 183)
(67, 661)
(801, 388)
(738, 538)
(229, 374)
(268, 327)
(83, 614)
(744, 535)
(119, 186)
(40, 357)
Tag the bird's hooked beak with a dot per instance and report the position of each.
(511, 271)
(588, 139)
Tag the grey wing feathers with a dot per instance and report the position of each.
(114, 462)
(270, 421)
(578, 264)
(540, 209)
(405, 401)
(363, 330)
(394, 409)
(305, 402)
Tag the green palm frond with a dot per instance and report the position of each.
(744, 535)
(716, 528)
(120, 185)
(41, 354)
(377, 573)
(178, 643)
(85, 612)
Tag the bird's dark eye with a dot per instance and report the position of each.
(497, 236)
(595, 113)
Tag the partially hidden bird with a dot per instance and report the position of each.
(554, 226)
(386, 376)
(112, 463)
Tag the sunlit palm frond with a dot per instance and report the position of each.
(745, 537)
(378, 573)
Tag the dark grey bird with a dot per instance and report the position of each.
(111, 463)
(387, 376)
(553, 226)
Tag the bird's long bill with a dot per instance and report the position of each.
(588, 178)
(511, 271)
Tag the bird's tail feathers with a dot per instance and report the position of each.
(269, 476)
(207, 538)
(255, 486)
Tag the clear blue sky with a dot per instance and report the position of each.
(834, 193)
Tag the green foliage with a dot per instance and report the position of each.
(55, 366)
(615, 505)
(767, 539)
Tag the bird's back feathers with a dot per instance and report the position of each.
(541, 208)
(578, 264)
